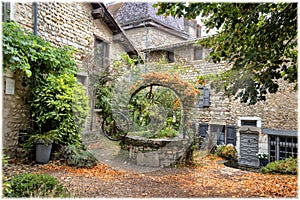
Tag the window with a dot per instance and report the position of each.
(249, 123)
(170, 56)
(217, 133)
(198, 53)
(204, 97)
(101, 53)
(281, 147)
(5, 11)
(82, 79)
(203, 130)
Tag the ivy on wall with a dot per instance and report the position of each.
(57, 102)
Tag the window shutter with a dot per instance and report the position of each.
(230, 135)
(204, 97)
(203, 130)
(101, 53)
(201, 96)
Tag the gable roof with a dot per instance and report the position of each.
(100, 12)
(132, 15)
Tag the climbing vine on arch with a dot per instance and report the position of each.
(186, 92)
(156, 112)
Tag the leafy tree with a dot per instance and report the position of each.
(257, 40)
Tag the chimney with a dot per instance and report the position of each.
(190, 26)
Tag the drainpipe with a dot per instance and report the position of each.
(35, 18)
(146, 45)
(35, 32)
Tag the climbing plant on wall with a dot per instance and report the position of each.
(57, 101)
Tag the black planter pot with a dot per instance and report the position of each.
(263, 162)
(43, 152)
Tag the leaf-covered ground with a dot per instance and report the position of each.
(209, 178)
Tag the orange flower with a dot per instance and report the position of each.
(176, 103)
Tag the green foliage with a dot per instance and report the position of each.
(36, 185)
(79, 157)
(228, 152)
(6, 186)
(286, 166)
(103, 98)
(46, 138)
(156, 107)
(104, 83)
(33, 55)
(167, 132)
(60, 104)
(257, 40)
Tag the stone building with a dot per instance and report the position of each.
(147, 30)
(268, 126)
(82, 25)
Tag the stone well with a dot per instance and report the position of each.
(161, 152)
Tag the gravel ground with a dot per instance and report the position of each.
(110, 182)
(114, 176)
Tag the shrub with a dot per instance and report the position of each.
(6, 187)
(286, 166)
(60, 104)
(167, 132)
(36, 185)
(228, 152)
(79, 157)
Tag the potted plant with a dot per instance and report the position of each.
(43, 145)
(263, 158)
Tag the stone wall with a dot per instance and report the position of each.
(158, 37)
(155, 152)
(279, 111)
(68, 24)
(147, 37)
(15, 113)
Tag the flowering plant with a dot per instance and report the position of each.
(263, 156)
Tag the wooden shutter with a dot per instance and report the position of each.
(203, 130)
(206, 97)
(230, 135)
(201, 96)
